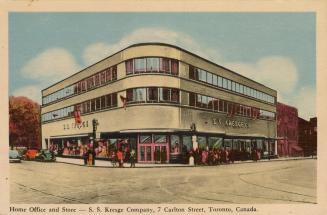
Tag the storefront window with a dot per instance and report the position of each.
(174, 144)
(215, 142)
(187, 143)
(228, 144)
(202, 142)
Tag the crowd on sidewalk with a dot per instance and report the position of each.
(222, 156)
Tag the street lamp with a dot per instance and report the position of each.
(95, 124)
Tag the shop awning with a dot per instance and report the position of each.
(152, 130)
(246, 135)
(69, 136)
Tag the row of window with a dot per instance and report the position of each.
(219, 105)
(151, 64)
(218, 81)
(152, 94)
(99, 103)
(101, 78)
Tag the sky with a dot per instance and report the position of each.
(275, 49)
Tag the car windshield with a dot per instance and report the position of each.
(13, 153)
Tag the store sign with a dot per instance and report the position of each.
(83, 124)
(230, 123)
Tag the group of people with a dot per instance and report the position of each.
(119, 156)
(222, 156)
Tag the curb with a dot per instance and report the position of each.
(188, 166)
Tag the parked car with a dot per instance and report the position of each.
(45, 155)
(14, 156)
(30, 154)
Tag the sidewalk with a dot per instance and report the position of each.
(108, 164)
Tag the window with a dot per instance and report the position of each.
(152, 94)
(202, 75)
(139, 95)
(139, 65)
(233, 86)
(108, 100)
(174, 67)
(215, 104)
(209, 78)
(145, 139)
(210, 103)
(224, 83)
(175, 144)
(152, 64)
(191, 72)
(97, 80)
(108, 75)
(164, 65)
(202, 142)
(164, 94)
(93, 105)
(191, 99)
(114, 72)
(215, 142)
(102, 78)
(229, 83)
(114, 99)
(175, 95)
(215, 80)
(237, 87)
(187, 143)
(160, 138)
(98, 103)
(129, 67)
(220, 81)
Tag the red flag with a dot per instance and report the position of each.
(77, 115)
(123, 99)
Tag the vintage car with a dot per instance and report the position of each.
(14, 156)
(30, 154)
(45, 155)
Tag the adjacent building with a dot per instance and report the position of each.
(287, 131)
(155, 97)
(308, 136)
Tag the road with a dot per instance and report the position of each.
(291, 181)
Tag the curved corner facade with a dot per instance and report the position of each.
(158, 98)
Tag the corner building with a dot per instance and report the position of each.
(155, 97)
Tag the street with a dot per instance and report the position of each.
(292, 181)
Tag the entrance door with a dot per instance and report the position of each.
(150, 153)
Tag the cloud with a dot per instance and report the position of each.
(48, 67)
(305, 100)
(97, 51)
(276, 72)
(32, 91)
(52, 65)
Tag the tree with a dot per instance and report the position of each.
(24, 122)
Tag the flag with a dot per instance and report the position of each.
(77, 116)
(123, 100)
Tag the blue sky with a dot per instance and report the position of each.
(276, 49)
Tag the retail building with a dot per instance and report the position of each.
(158, 97)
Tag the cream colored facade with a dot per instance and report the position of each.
(158, 117)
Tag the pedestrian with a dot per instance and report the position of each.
(157, 155)
(132, 158)
(163, 155)
(113, 158)
(120, 158)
